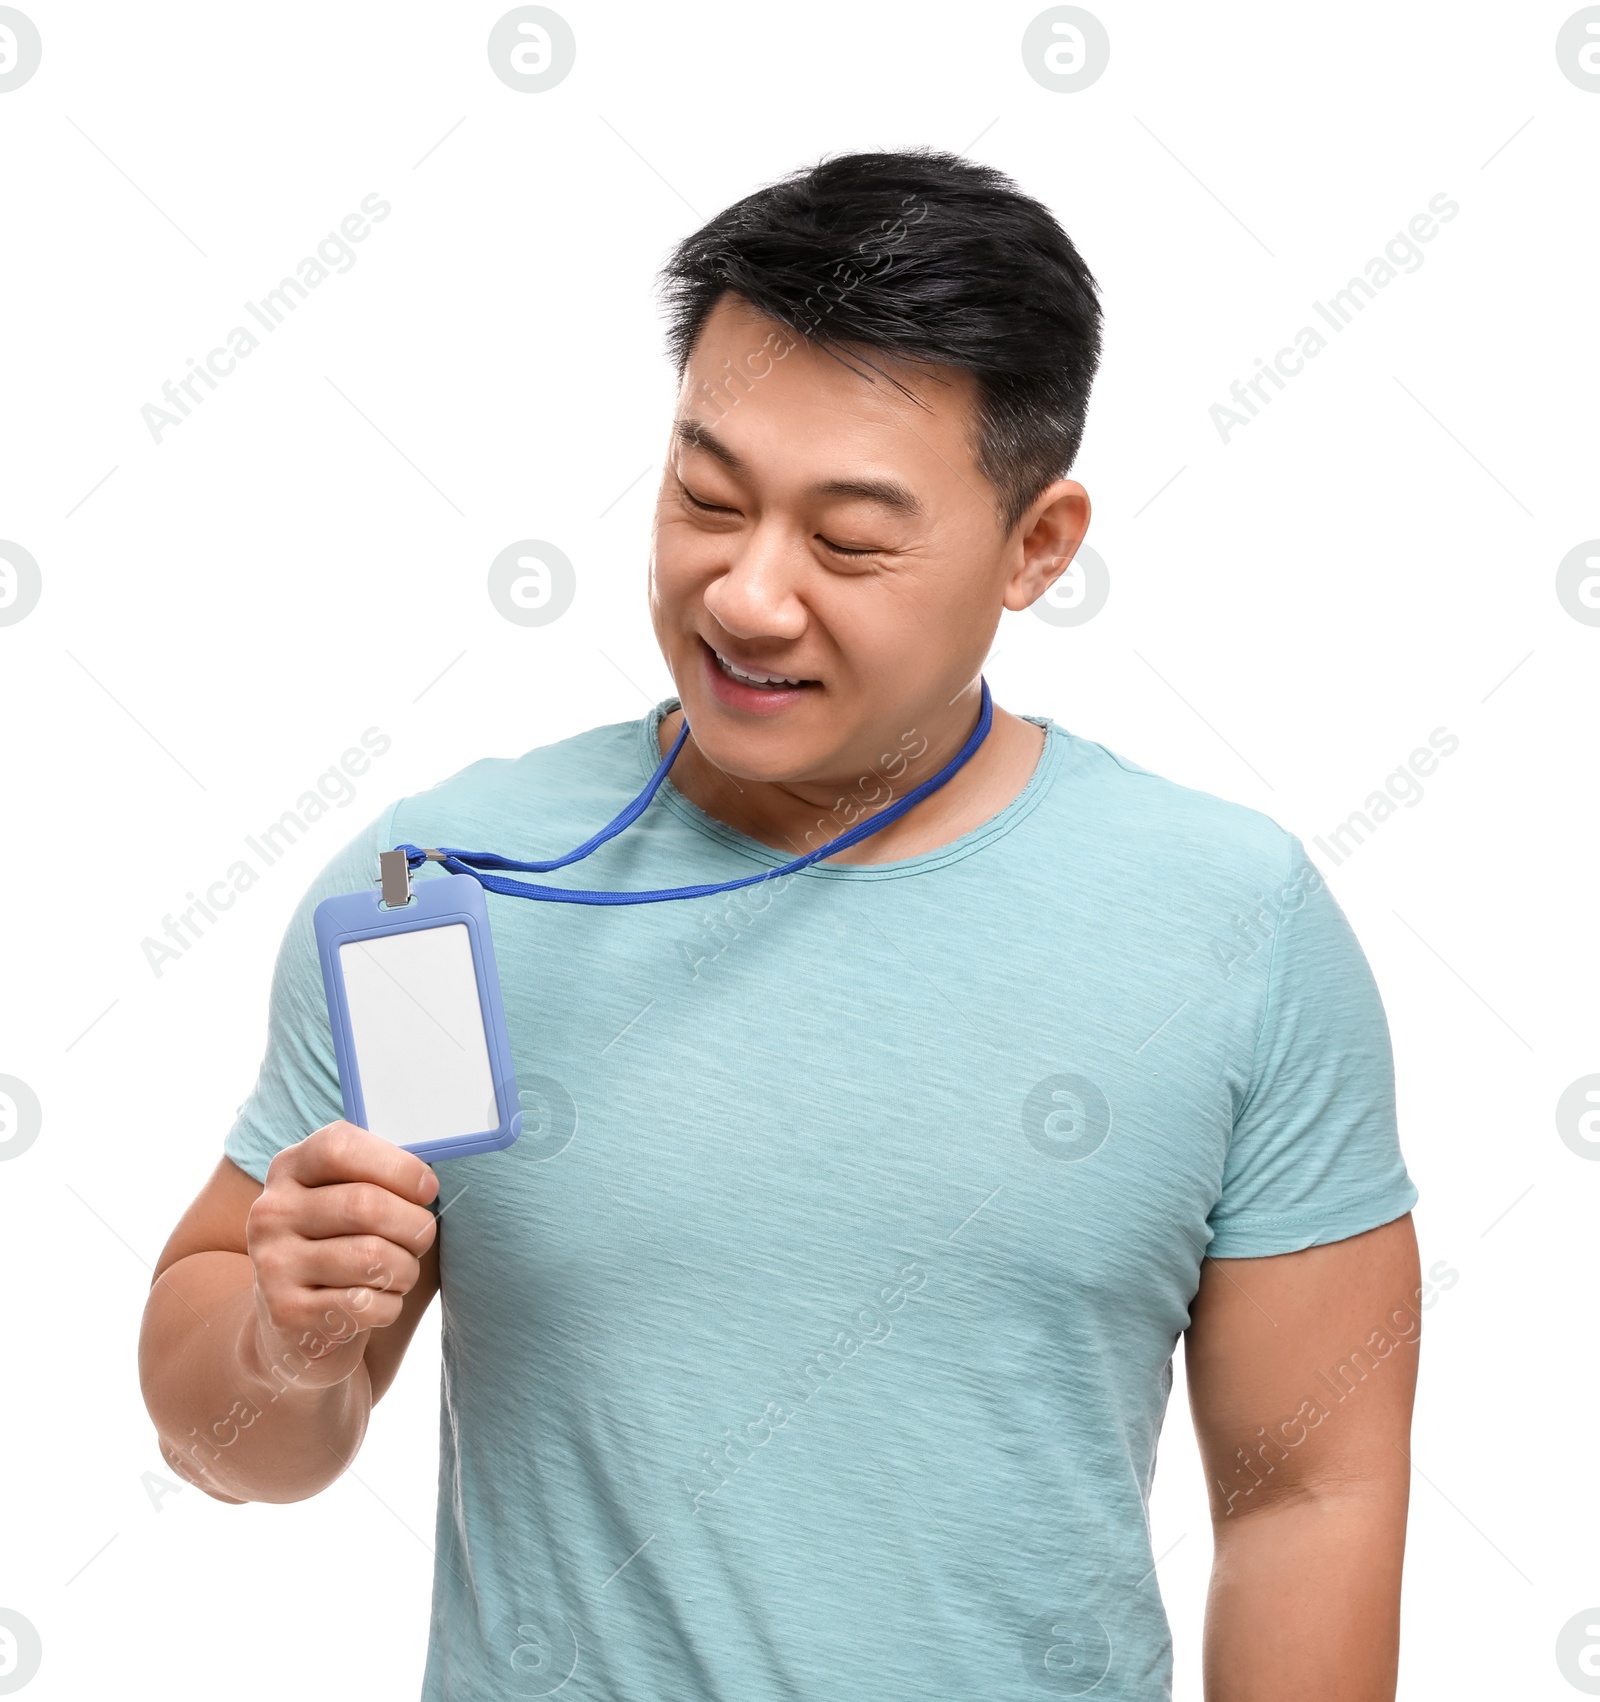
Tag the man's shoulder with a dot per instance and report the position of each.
(571, 780)
(1145, 820)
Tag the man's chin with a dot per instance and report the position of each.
(759, 751)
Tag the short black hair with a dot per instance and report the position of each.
(928, 258)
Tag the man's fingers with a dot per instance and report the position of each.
(340, 1152)
(364, 1208)
(332, 1315)
(357, 1262)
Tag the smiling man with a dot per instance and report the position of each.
(815, 1338)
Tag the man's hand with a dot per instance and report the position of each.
(279, 1314)
(1301, 1372)
(336, 1241)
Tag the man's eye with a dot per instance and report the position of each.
(845, 549)
(704, 507)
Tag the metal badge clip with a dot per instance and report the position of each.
(395, 873)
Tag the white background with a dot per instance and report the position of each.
(305, 558)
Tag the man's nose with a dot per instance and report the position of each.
(757, 596)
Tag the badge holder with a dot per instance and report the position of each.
(418, 1027)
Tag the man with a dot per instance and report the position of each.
(815, 1337)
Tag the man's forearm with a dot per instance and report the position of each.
(1305, 1599)
(242, 1425)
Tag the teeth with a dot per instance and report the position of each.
(755, 679)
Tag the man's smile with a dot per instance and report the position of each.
(743, 686)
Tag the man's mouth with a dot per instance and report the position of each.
(755, 679)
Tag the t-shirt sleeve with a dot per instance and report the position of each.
(1315, 1151)
(297, 1089)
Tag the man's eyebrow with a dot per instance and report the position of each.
(693, 434)
(887, 493)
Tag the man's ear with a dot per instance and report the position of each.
(1048, 536)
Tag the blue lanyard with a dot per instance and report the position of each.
(472, 862)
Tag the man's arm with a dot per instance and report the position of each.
(1301, 1372)
(278, 1315)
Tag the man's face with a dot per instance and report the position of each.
(817, 527)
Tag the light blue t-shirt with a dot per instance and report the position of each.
(814, 1339)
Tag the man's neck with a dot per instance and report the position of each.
(796, 819)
